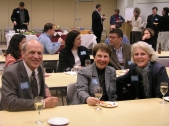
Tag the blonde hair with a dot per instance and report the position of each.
(146, 47)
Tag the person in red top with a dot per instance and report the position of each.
(13, 53)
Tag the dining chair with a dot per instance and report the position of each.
(6, 30)
(164, 61)
(71, 88)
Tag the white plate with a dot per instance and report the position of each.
(108, 104)
(70, 73)
(58, 121)
(166, 98)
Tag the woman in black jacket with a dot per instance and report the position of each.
(73, 53)
(145, 74)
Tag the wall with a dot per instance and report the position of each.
(60, 12)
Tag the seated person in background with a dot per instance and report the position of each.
(13, 52)
(119, 50)
(148, 37)
(98, 74)
(24, 80)
(125, 40)
(49, 46)
(73, 53)
(145, 74)
(116, 18)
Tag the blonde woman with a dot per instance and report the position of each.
(145, 74)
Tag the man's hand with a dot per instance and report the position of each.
(62, 41)
(26, 23)
(50, 102)
(92, 101)
(15, 23)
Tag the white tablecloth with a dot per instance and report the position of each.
(28, 37)
(88, 40)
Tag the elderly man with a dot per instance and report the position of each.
(20, 17)
(24, 80)
(120, 50)
(49, 47)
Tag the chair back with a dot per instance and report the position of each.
(71, 88)
(164, 61)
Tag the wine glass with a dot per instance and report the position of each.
(121, 62)
(87, 62)
(38, 104)
(164, 90)
(98, 92)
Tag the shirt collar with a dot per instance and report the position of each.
(29, 71)
(120, 49)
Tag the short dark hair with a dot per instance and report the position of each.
(48, 26)
(117, 31)
(166, 9)
(98, 5)
(117, 10)
(13, 47)
(22, 4)
(155, 8)
(103, 47)
(71, 36)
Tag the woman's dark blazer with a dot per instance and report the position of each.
(67, 60)
(157, 75)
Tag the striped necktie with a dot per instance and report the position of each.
(34, 85)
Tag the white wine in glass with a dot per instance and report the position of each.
(98, 92)
(164, 90)
(38, 104)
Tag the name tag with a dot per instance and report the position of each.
(156, 19)
(129, 62)
(17, 12)
(134, 78)
(83, 52)
(24, 85)
(95, 81)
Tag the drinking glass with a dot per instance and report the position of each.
(122, 63)
(87, 62)
(38, 104)
(98, 92)
(164, 90)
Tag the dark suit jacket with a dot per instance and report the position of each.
(164, 25)
(151, 20)
(67, 60)
(113, 20)
(126, 51)
(97, 24)
(16, 17)
(13, 97)
(85, 86)
(157, 75)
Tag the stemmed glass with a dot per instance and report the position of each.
(87, 62)
(38, 104)
(164, 90)
(122, 63)
(98, 92)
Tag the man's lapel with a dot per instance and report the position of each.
(24, 78)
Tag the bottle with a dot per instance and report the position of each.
(159, 48)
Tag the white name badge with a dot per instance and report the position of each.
(17, 12)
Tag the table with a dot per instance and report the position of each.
(28, 37)
(164, 54)
(146, 112)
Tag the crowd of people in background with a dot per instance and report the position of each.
(24, 60)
